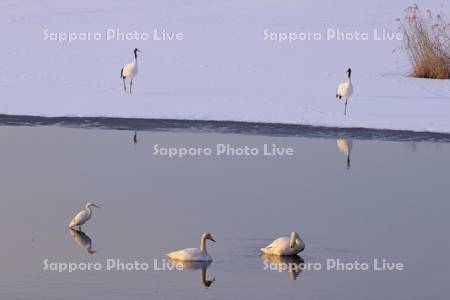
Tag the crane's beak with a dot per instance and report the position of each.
(139, 51)
(96, 206)
(212, 239)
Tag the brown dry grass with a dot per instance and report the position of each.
(426, 39)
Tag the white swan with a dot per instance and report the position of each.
(285, 245)
(345, 89)
(82, 217)
(194, 254)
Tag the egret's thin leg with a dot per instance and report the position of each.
(124, 86)
(131, 84)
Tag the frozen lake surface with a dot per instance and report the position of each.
(392, 203)
(224, 69)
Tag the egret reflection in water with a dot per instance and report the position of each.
(344, 145)
(292, 264)
(196, 265)
(82, 239)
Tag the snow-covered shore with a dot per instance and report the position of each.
(222, 68)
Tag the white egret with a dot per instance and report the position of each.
(345, 146)
(83, 216)
(285, 245)
(194, 254)
(130, 70)
(345, 89)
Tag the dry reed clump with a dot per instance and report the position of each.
(426, 39)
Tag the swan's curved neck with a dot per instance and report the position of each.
(292, 240)
(203, 245)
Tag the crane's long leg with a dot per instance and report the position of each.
(131, 84)
(345, 110)
(124, 86)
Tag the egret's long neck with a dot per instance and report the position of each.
(349, 77)
(135, 57)
(88, 209)
(203, 245)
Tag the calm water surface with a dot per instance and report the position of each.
(392, 203)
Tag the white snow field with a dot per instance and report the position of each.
(223, 69)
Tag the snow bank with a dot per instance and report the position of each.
(222, 69)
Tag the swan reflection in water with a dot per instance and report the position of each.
(195, 265)
(82, 239)
(344, 145)
(293, 264)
